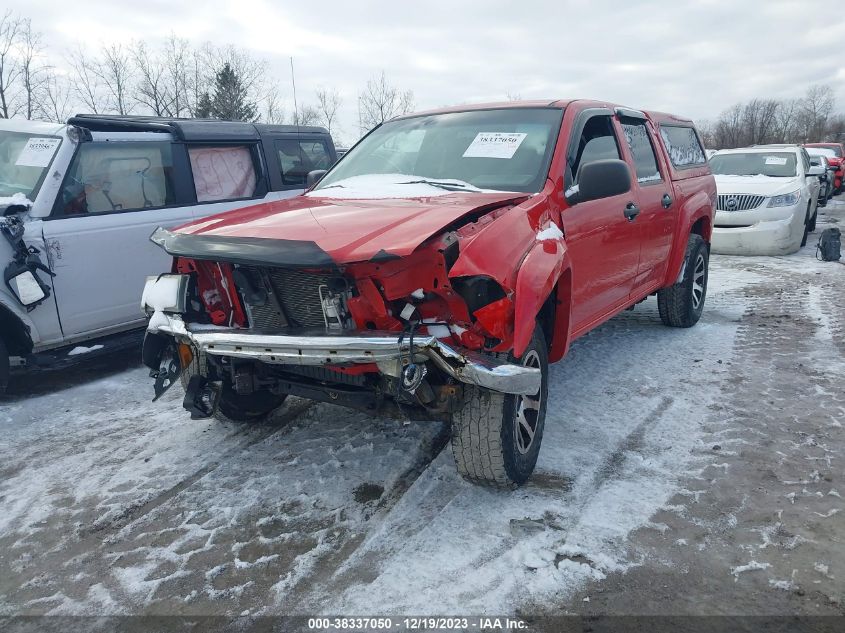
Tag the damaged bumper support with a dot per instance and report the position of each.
(333, 347)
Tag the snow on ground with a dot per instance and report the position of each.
(115, 504)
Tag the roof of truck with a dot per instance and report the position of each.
(188, 129)
(35, 127)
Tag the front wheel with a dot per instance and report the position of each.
(233, 407)
(496, 437)
(681, 304)
(812, 225)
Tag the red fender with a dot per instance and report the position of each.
(536, 279)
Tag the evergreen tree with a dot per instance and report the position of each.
(203, 110)
(230, 100)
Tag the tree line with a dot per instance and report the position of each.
(808, 119)
(174, 79)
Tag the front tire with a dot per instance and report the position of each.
(233, 407)
(681, 304)
(496, 437)
(812, 225)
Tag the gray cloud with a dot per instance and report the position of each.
(693, 60)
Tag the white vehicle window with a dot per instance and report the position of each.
(642, 150)
(118, 176)
(773, 164)
(24, 159)
(222, 172)
(297, 158)
(683, 145)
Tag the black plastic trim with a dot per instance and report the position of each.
(247, 251)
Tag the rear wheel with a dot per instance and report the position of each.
(681, 304)
(233, 407)
(812, 225)
(4, 367)
(496, 437)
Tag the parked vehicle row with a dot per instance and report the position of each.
(768, 198)
(437, 269)
(79, 201)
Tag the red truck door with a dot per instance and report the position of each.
(656, 222)
(604, 245)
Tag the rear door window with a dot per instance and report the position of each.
(639, 142)
(226, 172)
(683, 146)
(118, 176)
(298, 157)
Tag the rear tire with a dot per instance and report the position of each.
(812, 226)
(496, 437)
(681, 304)
(233, 407)
(4, 367)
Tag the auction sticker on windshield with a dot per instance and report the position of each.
(775, 160)
(495, 145)
(38, 152)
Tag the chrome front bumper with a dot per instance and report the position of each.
(325, 347)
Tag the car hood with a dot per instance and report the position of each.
(758, 185)
(310, 231)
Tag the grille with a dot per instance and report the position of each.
(738, 202)
(295, 292)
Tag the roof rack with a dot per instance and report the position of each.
(182, 128)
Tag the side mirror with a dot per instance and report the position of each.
(600, 179)
(815, 170)
(314, 177)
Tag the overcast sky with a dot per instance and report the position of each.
(689, 60)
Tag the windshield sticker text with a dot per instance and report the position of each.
(775, 160)
(38, 152)
(495, 145)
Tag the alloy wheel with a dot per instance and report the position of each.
(527, 410)
(699, 280)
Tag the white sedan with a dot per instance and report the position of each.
(767, 199)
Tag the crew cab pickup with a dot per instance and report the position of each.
(437, 269)
(78, 202)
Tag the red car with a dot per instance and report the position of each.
(838, 161)
(437, 269)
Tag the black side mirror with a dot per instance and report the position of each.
(601, 179)
(314, 177)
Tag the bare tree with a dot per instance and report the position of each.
(150, 88)
(381, 101)
(759, 121)
(114, 70)
(273, 111)
(10, 28)
(513, 96)
(785, 121)
(33, 71)
(85, 81)
(328, 102)
(187, 77)
(816, 107)
(836, 128)
(306, 115)
(56, 104)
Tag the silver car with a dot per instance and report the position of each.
(78, 202)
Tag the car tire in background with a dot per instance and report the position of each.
(233, 407)
(496, 437)
(681, 304)
(4, 367)
(806, 226)
(812, 225)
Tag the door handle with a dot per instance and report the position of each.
(666, 201)
(631, 211)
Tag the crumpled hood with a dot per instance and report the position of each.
(315, 231)
(758, 185)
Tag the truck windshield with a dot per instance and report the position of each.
(24, 159)
(775, 164)
(505, 150)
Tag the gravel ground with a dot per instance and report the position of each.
(683, 471)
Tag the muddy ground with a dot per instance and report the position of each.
(682, 472)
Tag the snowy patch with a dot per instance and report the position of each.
(552, 232)
(386, 186)
(77, 351)
(752, 566)
(17, 199)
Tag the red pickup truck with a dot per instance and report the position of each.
(437, 269)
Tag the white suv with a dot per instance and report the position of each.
(767, 199)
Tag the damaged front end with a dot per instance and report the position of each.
(394, 336)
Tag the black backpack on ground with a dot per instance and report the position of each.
(829, 246)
